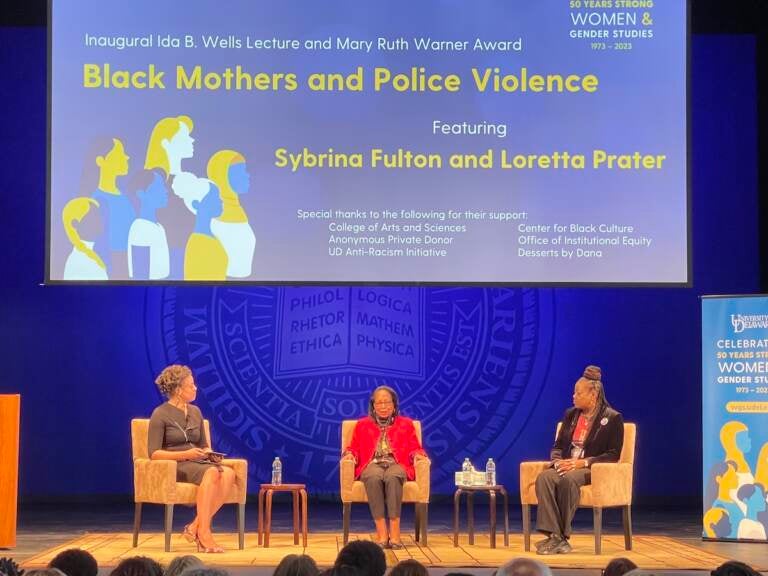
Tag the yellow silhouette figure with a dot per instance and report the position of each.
(83, 263)
(728, 434)
(112, 165)
(218, 171)
(169, 143)
(227, 169)
(761, 473)
(712, 518)
(726, 483)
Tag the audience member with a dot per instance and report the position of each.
(183, 563)
(44, 572)
(341, 571)
(619, 567)
(523, 567)
(75, 562)
(296, 565)
(734, 568)
(409, 568)
(8, 567)
(137, 566)
(365, 556)
(204, 571)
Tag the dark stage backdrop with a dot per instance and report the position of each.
(488, 370)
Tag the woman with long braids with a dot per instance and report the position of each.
(591, 432)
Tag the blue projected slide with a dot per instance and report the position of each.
(537, 141)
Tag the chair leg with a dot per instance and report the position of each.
(627, 517)
(417, 521)
(527, 527)
(168, 526)
(597, 514)
(347, 512)
(136, 523)
(423, 523)
(241, 526)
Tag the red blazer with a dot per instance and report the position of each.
(402, 438)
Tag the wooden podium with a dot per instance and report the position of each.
(9, 467)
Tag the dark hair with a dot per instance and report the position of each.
(9, 567)
(392, 393)
(594, 374)
(734, 568)
(618, 567)
(296, 565)
(75, 562)
(409, 567)
(137, 566)
(342, 571)
(366, 556)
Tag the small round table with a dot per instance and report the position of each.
(470, 492)
(299, 493)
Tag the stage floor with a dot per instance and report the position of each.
(664, 539)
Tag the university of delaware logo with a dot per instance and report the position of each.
(741, 322)
(279, 368)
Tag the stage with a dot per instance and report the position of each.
(664, 540)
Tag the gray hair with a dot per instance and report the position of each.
(523, 567)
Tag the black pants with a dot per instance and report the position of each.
(558, 499)
(384, 485)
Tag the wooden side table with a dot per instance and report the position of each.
(470, 492)
(299, 493)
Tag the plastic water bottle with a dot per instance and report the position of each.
(277, 471)
(466, 472)
(490, 472)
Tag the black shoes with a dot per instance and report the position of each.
(557, 545)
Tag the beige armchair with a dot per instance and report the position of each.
(413, 491)
(154, 482)
(611, 486)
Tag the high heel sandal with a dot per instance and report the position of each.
(188, 535)
(205, 549)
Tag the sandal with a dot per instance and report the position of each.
(188, 535)
(396, 545)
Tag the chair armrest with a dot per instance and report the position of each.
(346, 478)
(423, 467)
(529, 471)
(240, 466)
(612, 483)
(154, 480)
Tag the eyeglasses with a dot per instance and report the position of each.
(384, 403)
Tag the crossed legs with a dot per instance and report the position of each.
(211, 494)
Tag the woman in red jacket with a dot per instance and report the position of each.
(384, 447)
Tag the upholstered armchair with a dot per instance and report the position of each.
(413, 491)
(611, 486)
(154, 482)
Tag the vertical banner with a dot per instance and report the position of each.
(734, 345)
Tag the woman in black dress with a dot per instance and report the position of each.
(176, 432)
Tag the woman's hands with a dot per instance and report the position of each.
(195, 454)
(564, 466)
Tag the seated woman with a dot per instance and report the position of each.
(591, 432)
(176, 432)
(384, 447)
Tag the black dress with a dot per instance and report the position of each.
(170, 429)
